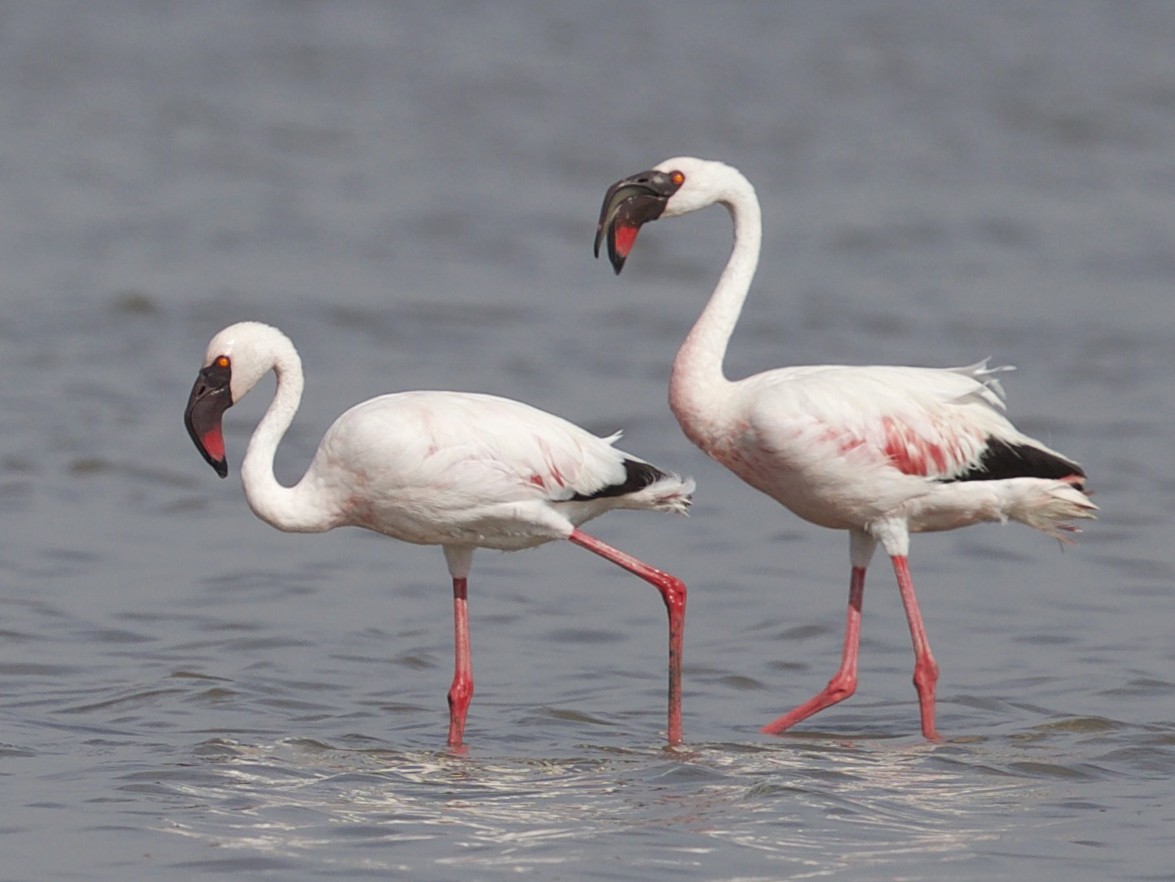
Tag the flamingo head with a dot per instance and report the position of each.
(674, 187)
(236, 359)
(630, 203)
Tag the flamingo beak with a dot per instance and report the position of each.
(211, 397)
(628, 205)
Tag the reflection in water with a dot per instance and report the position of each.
(816, 811)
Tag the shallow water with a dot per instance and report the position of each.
(411, 195)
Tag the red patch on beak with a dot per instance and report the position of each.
(213, 441)
(624, 236)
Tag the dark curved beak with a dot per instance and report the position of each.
(628, 205)
(211, 397)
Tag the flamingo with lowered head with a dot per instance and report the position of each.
(459, 470)
(881, 452)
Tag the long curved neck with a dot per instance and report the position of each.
(292, 509)
(698, 385)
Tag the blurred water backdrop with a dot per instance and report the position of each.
(410, 191)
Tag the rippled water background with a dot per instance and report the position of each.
(410, 192)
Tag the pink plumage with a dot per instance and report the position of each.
(878, 451)
(455, 469)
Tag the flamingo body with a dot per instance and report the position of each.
(844, 447)
(460, 470)
(878, 451)
(465, 469)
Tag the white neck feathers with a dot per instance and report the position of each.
(298, 509)
(698, 383)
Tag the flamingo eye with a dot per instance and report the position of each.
(677, 177)
(222, 361)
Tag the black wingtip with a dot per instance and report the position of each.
(637, 476)
(1001, 460)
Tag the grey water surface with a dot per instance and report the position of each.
(410, 192)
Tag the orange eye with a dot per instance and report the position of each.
(677, 178)
(222, 361)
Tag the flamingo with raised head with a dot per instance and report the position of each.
(879, 451)
(455, 469)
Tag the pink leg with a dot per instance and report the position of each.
(673, 593)
(461, 692)
(844, 681)
(925, 667)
